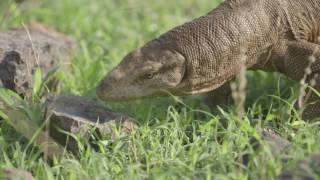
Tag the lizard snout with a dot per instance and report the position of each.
(103, 88)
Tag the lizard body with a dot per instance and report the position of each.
(202, 55)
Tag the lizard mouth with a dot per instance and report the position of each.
(128, 93)
(104, 94)
(120, 94)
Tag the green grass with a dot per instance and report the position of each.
(177, 138)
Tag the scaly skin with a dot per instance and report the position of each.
(202, 55)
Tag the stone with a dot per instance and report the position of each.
(23, 50)
(277, 144)
(15, 174)
(306, 169)
(78, 115)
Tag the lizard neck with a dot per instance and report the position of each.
(214, 45)
(211, 46)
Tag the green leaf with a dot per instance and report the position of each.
(37, 82)
(314, 91)
(8, 96)
(3, 115)
(49, 76)
(298, 124)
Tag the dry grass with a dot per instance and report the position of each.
(304, 94)
(172, 141)
(238, 88)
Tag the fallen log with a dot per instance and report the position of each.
(78, 115)
(20, 121)
(66, 116)
(23, 50)
(15, 174)
(305, 169)
(277, 145)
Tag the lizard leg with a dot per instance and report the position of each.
(218, 96)
(302, 63)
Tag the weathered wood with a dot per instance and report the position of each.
(22, 124)
(66, 115)
(15, 174)
(277, 145)
(78, 115)
(23, 50)
(306, 169)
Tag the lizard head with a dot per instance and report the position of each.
(148, 71)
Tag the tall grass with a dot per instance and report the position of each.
(175, 140)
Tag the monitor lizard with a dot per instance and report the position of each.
(204, 54)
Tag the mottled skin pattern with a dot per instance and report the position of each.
(202, 55)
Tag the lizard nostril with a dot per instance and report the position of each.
(106, 84)
(99, 91)
(111, 81)
(103, 88)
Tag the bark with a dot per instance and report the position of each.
(23, 50)
(80, 116)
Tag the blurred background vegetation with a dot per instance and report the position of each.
(174, 141)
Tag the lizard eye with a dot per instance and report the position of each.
(150, 75)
